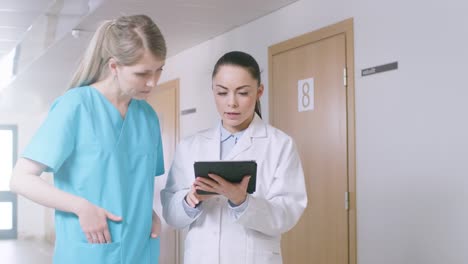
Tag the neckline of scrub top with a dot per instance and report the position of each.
(111, 105)
(122, 120)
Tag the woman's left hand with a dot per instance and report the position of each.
(235, 192)
(156, 226)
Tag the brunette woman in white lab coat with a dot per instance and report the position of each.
(234, 226)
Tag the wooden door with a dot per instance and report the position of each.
(311, 100)
(165, 101)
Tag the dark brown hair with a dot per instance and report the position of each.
(244, 60)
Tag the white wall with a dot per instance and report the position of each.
(411, 139)
(411, 129)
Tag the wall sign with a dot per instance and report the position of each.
(380, 68)
(188, 111)
(305, 95)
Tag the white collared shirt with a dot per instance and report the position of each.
(228, 141)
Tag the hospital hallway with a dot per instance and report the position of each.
(25, 252)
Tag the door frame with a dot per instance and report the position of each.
(345, 27)
(8, 196)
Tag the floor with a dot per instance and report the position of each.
(25, 252)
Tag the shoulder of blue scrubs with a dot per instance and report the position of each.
(146, 107)
(54, 141)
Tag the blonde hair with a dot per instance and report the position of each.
(124, 39)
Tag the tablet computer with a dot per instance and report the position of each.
(232, 171)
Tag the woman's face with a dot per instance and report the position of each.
(137, 80)
(235, 92)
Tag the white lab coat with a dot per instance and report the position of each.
(216, 235)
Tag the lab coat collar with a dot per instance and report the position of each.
(256, 129)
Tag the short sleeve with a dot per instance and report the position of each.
(159, 154)
(55, 139)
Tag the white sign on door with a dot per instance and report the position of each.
(305, 95)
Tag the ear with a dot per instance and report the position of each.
(113, 65)
(260, 91)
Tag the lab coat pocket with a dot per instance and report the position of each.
(154, 250)
(266, 251)
(97, 253)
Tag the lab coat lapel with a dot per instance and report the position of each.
(244, 143)
(255, 129)
(213, 144)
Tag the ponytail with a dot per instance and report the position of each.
(92, 63)
(125, 39)
(258, 109)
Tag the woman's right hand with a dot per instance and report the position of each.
(193, 198)
(93, 221)
(25, 181)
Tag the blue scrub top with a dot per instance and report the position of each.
(110, 161)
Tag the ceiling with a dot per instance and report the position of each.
(41, 29)
(16, 16)
(186, 23)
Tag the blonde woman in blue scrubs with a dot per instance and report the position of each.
(102, 141)
(236, 227)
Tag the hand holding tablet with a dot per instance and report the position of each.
(232, 171)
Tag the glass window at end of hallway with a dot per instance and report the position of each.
(8, 200)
